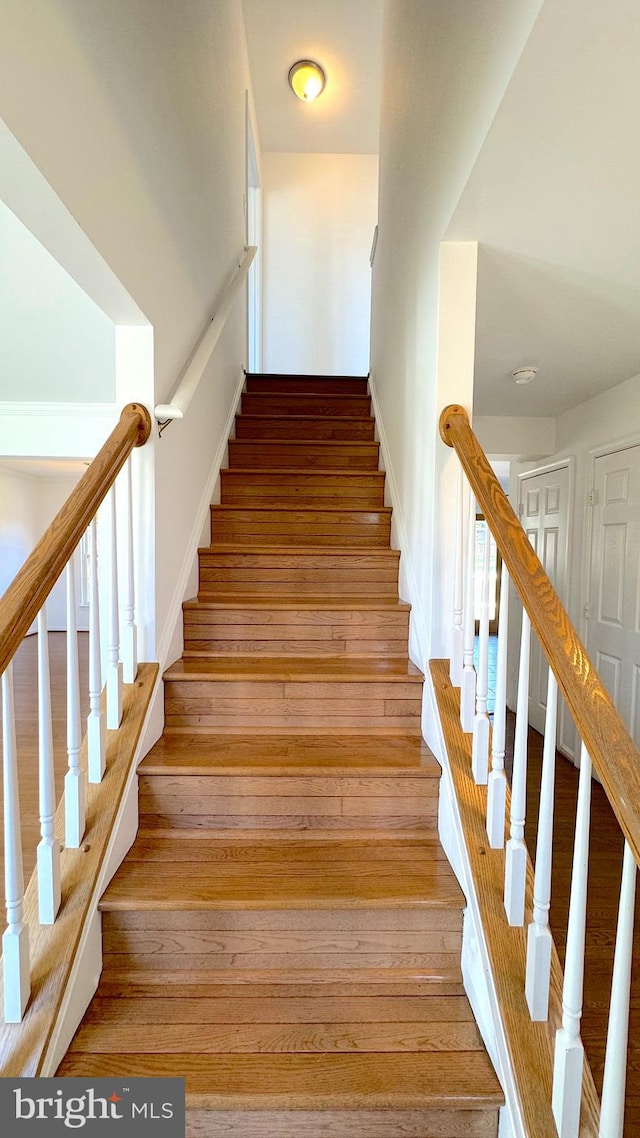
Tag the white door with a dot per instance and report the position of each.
(613, 639)
(544, 513)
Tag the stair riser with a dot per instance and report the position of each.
(452, 1123)
(263, 573)
(325, 406)
(366, 705)
(420, 920)
(343, 456)
(214, 945)
(282, 427)
(305, 385)
(294, 527)
(265, 488)
(274, 583)
(289, 632)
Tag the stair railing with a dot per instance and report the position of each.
(194, 369)
(23, 602)
(606, 747)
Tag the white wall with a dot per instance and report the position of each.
(134, 112)
(320, 211)
(19, 522)
(445, 69)
(56, 343)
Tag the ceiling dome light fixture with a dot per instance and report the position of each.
(307, 80)
(524, 374)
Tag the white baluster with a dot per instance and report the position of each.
(468, 688)
(615, 1063)
(48, 853)
(96, 728)
(74, 781)
(569, 1052)
(480, 746)
(457, 646)
(516, 856)
(15, 941)
(497, 788)
(539, 939)
(130, 632)
(114, 665)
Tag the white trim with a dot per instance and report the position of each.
(191, 550)
(418, 619)
(87, 965)
(476, 968)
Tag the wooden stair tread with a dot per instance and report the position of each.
(277, 875)
(304, 511)
(304, 855)
(319, 1081)
(303, 471)
(306, 376)
(322, 552)
(293, 669)
(291, 754)
(369, 983)
(305, 603)
(277, 1008)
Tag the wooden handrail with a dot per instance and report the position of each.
(194, 370)
(613, 752)
(32, 584)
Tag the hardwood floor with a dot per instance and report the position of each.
(605, 866)
(26, 708)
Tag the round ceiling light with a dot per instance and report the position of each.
(307, 80)
(524, 374)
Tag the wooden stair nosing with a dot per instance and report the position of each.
(318, 1082)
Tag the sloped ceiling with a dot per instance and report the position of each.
(554, 198)
(345, 38)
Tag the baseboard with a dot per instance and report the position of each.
(418, 636)
(171, 641)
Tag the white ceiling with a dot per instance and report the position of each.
(345, 38)
(555, 199)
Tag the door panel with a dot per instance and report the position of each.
(544, 516)
(613, 636)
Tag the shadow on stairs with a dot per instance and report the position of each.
(285, 932)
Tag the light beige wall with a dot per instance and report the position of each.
(446, 64)
(320, 211)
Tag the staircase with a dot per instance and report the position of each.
(286, 932)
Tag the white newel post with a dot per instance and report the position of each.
(96, 728)
(15, 941)
(457, 646)
(129, 632)
(516, 854)
(615, 1063)
(497, 788)
(74, 780)
(480, 746)
(468, 689)
(48, 852)
(569, 1052)
(114, 665)
(539, 939)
